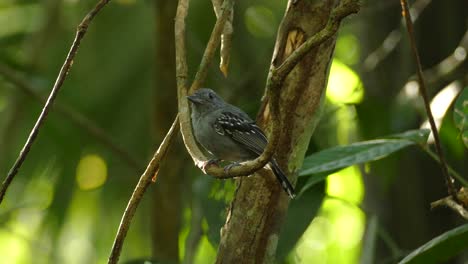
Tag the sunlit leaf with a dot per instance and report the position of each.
(346, 184)
(460, 115)
(440, 248)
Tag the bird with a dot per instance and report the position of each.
(229, 134)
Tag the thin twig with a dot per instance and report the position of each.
(143, 183)
(75, 117)
(454, 205)
(80, 32)
(423, 91)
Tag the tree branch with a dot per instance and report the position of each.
(423, 91)
(75, 117)
(80, 32)
(454, 205)
(145, 180)
(197, 155)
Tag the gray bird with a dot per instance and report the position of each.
(229, 134)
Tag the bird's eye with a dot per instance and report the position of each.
(211, 96)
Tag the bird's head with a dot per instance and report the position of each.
(204, 100)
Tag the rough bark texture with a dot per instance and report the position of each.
(250, 234)
(166, 203)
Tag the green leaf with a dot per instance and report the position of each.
(319, 165)
(344, 156)
(440, 248)
(460, 115)
(418, 136)
(301, 212)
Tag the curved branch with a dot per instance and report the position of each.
(137, 195)
(197, 155)
(80, 32)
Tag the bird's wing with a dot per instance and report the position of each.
(242, 130)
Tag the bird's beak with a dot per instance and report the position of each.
(194, 99)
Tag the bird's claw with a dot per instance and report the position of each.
(230, 166)
(209, 163)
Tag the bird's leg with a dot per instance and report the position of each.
(230, 166)
(208, 163)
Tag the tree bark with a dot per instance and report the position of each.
(251, 231)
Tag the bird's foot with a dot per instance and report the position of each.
(230, 166)
(209, 163)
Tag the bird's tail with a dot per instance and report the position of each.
(283, 180)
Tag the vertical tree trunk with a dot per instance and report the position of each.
(166, 202)
(251, 232)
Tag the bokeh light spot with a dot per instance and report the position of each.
(346, 184)
(13, 249)
(348, 222)
(205, 252)
(91, 172)
(344, 85)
